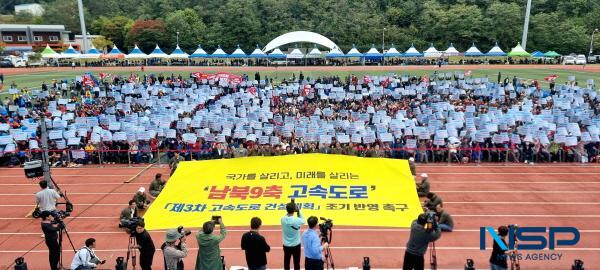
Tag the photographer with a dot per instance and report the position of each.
(85, 258)
(174, 253)
(128, 214)
(255, 246)
(445, 221)
(423, 187)
(290, 227)
(498, 257)
(432, 201)
(51, 229)
(209, 254)
(141, 199)
(46, 198)
(313, 249)
(145, 245)
(420, 237)
(157, 185)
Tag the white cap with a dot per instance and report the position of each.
(424, 175)
(411, 159)
(142, 189)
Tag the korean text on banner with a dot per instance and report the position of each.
(352, 191)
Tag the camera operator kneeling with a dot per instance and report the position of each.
(420, 237)
(129, 215)
(174, 253)
(445, 221)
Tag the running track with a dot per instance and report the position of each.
(540, 195)
(588, 68)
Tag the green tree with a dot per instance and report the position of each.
(102, 44)
(64, 12)
(114, 29)
(147, 34)
(246, 24)
(503, 23)
(190, 28)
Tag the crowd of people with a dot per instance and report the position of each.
(440, 117)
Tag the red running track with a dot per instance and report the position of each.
(487, 195)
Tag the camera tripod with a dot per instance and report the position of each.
(432, 256)
(515, 263)
(63, 231)
(326, 238)
(131, 251)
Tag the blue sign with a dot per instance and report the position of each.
(531, 238)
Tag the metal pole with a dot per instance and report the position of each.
(45, 157)
(592, 43)
(82, 22)
(178, 38)
(383, 41)
(526, 25)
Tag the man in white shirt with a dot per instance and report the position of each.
(46, 198)
(85, 258)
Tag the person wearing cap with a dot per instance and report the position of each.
(141, 199)
(432, 201)
(412, 166)
(209, 253)
(51, 230)
(157, 185)
(423, 187)
(171, 253)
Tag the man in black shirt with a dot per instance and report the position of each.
(498, 257)
(51, 230)
(145, 245)
(255, 246)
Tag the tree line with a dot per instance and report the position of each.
(563, 26)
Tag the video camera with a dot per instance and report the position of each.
(431, 224)
(325, 229)
(131, 224)
(183, 231)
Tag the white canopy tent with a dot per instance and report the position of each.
(298, 37)
(432, 52)
(451, 51)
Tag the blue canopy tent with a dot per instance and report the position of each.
(277, 54)
(496, 51)
(70, 53)
(473, 52)
(178, 53)
(354, 53)
(258, 53)
(136, 53)
(199, 53)
(537, 54)
(412, 52)
(373, 55)
(335, 53)
(157, 53)
(238, 53)
(219, 53)
(392, 52)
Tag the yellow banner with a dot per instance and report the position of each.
(349, 190)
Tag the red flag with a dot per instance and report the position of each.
(468, 73)
(102, 75)
(198, 75)
(551, 77)
(87, 81)
(366, 79)
(252, 90)
(386, 82)
(306, 90)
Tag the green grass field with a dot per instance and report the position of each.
(35, 80)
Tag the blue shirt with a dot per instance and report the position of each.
(290, 227)
(312, 244)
